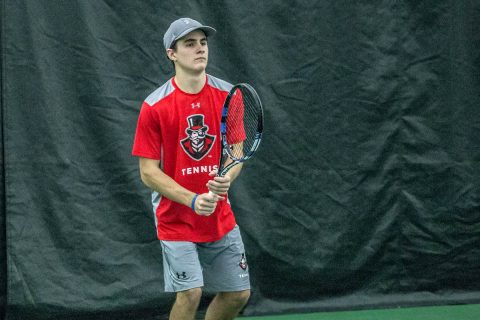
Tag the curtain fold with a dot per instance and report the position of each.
(365, 191)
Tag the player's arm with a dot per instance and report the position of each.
(154, 178)
(221, 185)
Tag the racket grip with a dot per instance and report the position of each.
(211, 193)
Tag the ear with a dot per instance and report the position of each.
(171, 54)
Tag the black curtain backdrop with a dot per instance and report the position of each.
(365, 192)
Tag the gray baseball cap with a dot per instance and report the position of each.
(183, 26)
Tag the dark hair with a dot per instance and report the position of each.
(174, 48)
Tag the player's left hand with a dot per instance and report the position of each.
(218, 185)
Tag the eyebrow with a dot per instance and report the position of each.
(193, 39)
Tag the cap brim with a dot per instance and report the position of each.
(209, 31)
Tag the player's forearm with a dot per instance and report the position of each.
(157, 180)
(234, 172)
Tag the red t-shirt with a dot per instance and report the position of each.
(182, 130)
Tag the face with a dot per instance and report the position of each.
(197, 135)
(191, 52)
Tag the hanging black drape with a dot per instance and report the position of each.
(365, 192)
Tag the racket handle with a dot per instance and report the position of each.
(211, 193)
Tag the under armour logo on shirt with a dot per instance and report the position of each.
(195, 105)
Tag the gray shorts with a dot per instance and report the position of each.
(221, 265)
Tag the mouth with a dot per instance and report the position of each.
(201, 59)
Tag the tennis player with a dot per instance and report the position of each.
(178, 145)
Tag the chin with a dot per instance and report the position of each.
(200, 63)
(200, 68)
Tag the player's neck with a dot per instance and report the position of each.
(190, 83)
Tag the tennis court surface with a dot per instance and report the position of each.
(456, 312)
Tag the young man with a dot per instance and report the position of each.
(178, 144)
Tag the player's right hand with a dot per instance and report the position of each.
(206, 203)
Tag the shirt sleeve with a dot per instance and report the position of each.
(148, 137)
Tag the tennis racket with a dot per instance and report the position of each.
(241, 127)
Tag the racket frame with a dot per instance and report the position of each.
(226, 152)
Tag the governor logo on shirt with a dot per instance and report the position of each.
(198, 142)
